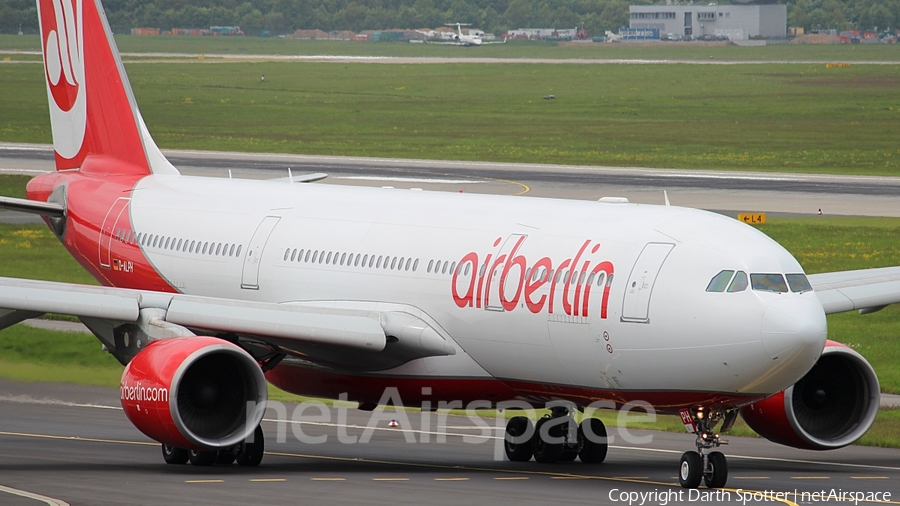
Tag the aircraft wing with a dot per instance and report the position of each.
(351, 337)
(865, 290)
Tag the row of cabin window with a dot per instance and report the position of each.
(182, 245)
(351, 259)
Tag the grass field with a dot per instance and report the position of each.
(512, 49)
(786, 117)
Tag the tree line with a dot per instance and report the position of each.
(496, 16)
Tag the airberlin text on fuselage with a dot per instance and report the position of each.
(478, 290)
(143, 394)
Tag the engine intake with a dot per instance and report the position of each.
(195, 392)
(831, 407)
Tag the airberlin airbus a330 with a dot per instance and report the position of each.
(214, 286)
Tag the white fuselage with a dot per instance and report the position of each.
(662, 330)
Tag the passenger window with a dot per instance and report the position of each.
(739, 283)
(400, 264)
(286, 253)
(719, 282)
(178, 248)
(378, 263)
(590, 279)
(452, 268)
(306, 258)
(191, 248)
(218, 248)
(768, 283)
(481, 271)
(154, 240)
(316, 254)
(328, 259)
(393, 263)
(601, 278)
(798, 283)
(408, 260)
(238, 251)
(205, 245)
(581, 278)
(609, 280)
(416, 266)
(468, 268)
(444, 268)
(343, 257)
(430, 263)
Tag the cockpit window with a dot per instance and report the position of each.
(719, 282)
(798, 283)
(739, 283)
(768, 283)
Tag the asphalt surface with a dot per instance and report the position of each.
(716, 190)
(73, 444)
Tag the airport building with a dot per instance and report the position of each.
(737, 22)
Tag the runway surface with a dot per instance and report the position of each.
(716, 190)
(73, 444)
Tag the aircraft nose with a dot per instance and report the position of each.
(794, 325)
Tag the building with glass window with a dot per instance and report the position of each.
(737, 22)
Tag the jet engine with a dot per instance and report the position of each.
(198, 393)
(831, 407)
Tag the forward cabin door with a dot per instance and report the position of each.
(250, 276)
(636, 305)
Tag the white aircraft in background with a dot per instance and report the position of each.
(461, 39)
(214, 286)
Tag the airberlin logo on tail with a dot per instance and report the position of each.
(62, 37)
(505, 280)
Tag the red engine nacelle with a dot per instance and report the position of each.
(831, 407)
(194, 392)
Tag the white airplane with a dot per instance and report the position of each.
(461, 39)
(214, 286)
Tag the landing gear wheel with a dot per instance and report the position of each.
(225, 457)
(546, 452)
(174, 455)
(251, 454)
(691, 471)
(202, 458)
(518, 449)
(717, 470)
(592, 442)
(569, 453)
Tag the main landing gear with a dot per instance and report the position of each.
(244, 453)
(705, 465)
(554, 438)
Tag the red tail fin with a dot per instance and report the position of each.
(92, 109)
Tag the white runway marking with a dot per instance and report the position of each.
(30, 495)
(396, 179)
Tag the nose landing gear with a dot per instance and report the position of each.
(705, 465)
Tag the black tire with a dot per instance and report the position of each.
(592, 452)
(546, 452)
(202, 458)
(718, 471)
(225, 457)
(691, 471)
(517, 428)
(251, 454)
(569, 453)
(174, 455)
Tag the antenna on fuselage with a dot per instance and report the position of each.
(666, 197)
(290, 176)
(229, 174)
